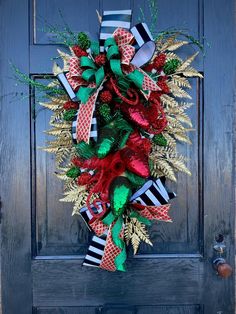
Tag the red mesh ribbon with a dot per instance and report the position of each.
(75, 73)
(124, 40)
(98, 227)
(153, 212)
(110, 252)
(84, 119)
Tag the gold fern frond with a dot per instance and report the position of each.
(172, 55)
(62, 155)
(178, 91)
(180, 81)
(170, 140)
(50, 105)
(162, 46)
(160, 164)
(168, 101)
(49, 149)
(182, 137)
(187, 62)
(185, 105)
(72, 195)
(183, 117)
(62, 125)
(81, 201)
(135, 232)
(54, 131)
(176, 45)
(179, 165)
(191, 72)
(60, 99)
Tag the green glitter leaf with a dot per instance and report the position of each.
(160, 140)
(73, 172)
(119, 195)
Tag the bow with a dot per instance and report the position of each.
(87, 78)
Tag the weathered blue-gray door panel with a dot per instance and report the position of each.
(43, 246)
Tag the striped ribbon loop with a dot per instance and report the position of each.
(144, 44)
(111, 20)
(93, 129)
(152, 193)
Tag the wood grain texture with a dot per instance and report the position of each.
(58, 233)
(15, 162)
(154, 283)
(113, 309)
(67, 310)
(219, 108)
(63, 282)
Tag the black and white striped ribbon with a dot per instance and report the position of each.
(95, 251)
(152, 193)
(93, 129)
(66, 85)
(144, 44)
(111, 20)
(86, 214)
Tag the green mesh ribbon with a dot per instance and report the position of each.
(95, 48)
(113, 56)
(90, 74)
(115, 233)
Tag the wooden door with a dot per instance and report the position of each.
(43, 246)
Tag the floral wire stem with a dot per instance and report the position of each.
(163, 34)
(153, 13)
(23, 78)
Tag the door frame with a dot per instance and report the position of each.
(16, 274)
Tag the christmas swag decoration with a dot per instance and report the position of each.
(117, 118)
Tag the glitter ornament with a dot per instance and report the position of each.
(69, 114)
(136, 162)
(159, 61)
(83, 41)
(78, 51)
(70, 105)
(105, 96)
(171, 66)
(100, 59)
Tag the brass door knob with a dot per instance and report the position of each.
(223, 269)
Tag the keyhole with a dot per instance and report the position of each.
(219, 238)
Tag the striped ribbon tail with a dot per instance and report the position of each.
(111, 20)
(144, 44)
(152, 193)
(95, 251)
(67, 87)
